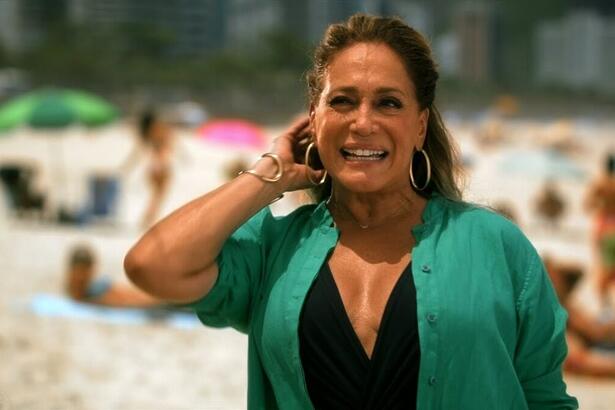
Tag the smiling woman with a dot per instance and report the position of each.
(367, 120)
(389, 291)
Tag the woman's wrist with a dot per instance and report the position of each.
(268, 170)
(268, 167)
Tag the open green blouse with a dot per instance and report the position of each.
(490, 327)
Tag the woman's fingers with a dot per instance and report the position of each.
(291, 144)
(301, 179)
(298, 128)
(299, 148)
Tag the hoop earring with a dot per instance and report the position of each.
(307, 164)
(428, 179)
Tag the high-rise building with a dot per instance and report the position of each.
(309, 19)
(576, 51)
(550, 55)
(446, 53)
(11, 33)
(193, 26)
(414, 13)
(304, 19)
(607, 79)
(24, 23)
(583, 32)
(474, 25)
(249, 20)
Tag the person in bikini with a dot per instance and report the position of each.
(600, 202)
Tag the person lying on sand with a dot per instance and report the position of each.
(82, 285)
(590, 340)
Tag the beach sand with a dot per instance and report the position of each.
(71, 363)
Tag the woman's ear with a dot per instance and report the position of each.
(312, 115)
(423, 123)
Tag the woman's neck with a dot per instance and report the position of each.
(373, 210)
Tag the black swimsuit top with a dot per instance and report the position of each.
(338, 372)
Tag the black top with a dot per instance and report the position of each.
(338, 372)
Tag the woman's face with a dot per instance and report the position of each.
(367, 120)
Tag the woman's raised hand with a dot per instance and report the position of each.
(291, 147)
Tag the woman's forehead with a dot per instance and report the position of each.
(373, 65)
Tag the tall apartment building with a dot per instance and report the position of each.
(577, 52)
(23, 22)
(474, 27)
(306, 20)
(415, 13)
(195, 26)
(10, 26)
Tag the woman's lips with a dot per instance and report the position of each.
(363, 154)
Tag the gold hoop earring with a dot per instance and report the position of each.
(428, 179)
(307, 164)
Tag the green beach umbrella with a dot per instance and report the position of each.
(56, 108)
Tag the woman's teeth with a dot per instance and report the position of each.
(363, 154)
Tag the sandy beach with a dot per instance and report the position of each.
(63, 362)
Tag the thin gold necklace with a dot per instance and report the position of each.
(362, 226)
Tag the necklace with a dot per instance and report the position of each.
(362, 226)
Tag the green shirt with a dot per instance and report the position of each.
(491, 330)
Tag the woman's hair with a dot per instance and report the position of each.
(81, 255)
(147, 119)
(415, 52)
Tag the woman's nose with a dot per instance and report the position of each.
(363, 123)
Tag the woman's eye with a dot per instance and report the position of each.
(340, 100)
(390, 103)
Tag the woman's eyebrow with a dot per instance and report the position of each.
(344, 89)
(354, 90)
(385, 90)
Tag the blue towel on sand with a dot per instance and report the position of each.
(53, 305)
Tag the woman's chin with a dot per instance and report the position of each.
(363, 185)
(368, 182)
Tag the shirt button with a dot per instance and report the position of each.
(426, 268)
(432, 381)
(432, 317)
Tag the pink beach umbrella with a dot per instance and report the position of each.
(234, 132)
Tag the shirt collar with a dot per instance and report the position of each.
(433, 210)
(321, 215)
